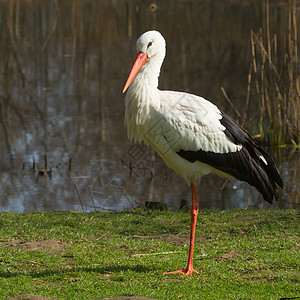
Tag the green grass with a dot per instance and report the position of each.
(72, 255)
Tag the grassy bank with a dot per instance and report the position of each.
(71, 255)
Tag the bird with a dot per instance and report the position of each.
(191, 134)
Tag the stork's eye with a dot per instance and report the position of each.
(149, 44)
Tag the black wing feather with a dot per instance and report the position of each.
(245, 165)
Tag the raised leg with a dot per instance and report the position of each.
(194, 213)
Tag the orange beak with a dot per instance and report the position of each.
(140, 60)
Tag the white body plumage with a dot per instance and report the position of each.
(170, 121)
(191, 134)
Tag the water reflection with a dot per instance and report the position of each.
(63, 65)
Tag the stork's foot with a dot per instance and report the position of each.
(184, 272)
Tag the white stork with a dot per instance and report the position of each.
(191, 134)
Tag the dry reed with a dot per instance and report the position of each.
(274, 75)
(274, 79)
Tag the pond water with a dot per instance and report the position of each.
(63, 67)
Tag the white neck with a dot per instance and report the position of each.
(142, 98)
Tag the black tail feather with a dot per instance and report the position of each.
(270, 168)
(264, 183)
(265, 171)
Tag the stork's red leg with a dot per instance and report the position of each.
(194, 212)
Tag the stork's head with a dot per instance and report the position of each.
(152, 43)
(151, 46)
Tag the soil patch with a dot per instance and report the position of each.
(176, 239)
(231, 254)
(43, 245)
(127, 298)
(30, 297)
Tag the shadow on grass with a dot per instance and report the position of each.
(100, 270)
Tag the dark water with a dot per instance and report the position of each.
(63, 66)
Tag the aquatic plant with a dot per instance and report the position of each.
(274, 80)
